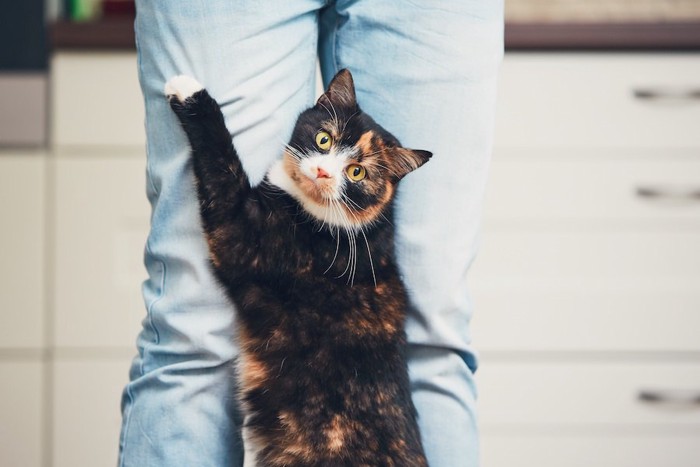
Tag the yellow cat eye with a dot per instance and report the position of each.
(356, 172)
(323, 140)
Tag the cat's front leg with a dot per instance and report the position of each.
(221, 181)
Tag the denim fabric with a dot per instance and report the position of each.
(424, 70)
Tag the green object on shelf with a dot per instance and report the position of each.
(83, 10)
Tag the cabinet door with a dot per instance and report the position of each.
(101, 228)
(87, 418)
(588, 395)
(528, 448)
(594, 100)
(590, 253)
(96, 99)
(20, 413)
(22, 252)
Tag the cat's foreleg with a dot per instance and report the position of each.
(221, 181)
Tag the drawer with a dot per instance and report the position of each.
(599, 449)
(20, 413)
(591, 395)
(101, 226)
(22, 254)
(587, 291)
(654, 188)
(96, 99)
(595, 99)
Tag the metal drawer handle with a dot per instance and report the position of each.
(669, 396)
(667, 93)
(680, 194)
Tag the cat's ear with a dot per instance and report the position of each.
(340, 93)
(407, 160)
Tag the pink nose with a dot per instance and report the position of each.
(320, 173)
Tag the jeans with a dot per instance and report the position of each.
(426, 71)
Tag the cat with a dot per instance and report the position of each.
(307, 257)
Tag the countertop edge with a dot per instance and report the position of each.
(118, 34)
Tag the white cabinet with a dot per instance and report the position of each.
(593, 447)
(96, 100)
(101, 226)
(21, 408)
(100, 217)
(87, 418)
(590, 100)
(587, 285)
(22, 200)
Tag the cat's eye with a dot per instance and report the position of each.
(323, 140)
(356, 172)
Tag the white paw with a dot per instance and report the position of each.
(182, 87)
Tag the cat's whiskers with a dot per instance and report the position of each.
(334, 115)
(369, 254)
(348, 121)
(337, 247)
(375, 152)
(388, 169)
(294, 152)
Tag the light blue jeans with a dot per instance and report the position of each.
(426, 71)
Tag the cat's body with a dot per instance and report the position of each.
(309, 263)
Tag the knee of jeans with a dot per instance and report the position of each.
(441, 370)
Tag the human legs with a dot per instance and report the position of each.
(259, 63)
(427, 72)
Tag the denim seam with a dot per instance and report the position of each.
(335, 44)
(149, 178)
(149, 311)
(125, 428)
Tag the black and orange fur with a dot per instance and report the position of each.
(322, 370)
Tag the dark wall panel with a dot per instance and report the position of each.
(22, 35)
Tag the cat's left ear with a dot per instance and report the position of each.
(407, 160)
(340, 92)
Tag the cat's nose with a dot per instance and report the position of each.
(320, 173)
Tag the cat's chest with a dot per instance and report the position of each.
(310, 310)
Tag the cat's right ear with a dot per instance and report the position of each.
(340, 92)
(407, 160)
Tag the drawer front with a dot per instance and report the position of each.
(599, 449)
(638, 188)
(593, 100)
(600, 394)
(587, 291)
(101, 226)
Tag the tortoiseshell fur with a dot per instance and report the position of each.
(322, 366)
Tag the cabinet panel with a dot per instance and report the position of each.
(595, 188)
(587, 316)
(87, 416)
(599, 449)
(96, 99)
(587, 291)
(619, 257)
(101, 228)
(22, 253)
(20, 413)
(598, 100)
(600, 394)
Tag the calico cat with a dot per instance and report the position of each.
(307, 257)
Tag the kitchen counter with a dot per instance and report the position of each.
(117, 34)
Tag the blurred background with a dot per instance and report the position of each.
(587, 287)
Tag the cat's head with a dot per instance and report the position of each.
(340, 164)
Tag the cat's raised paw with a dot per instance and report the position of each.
(181, 87)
